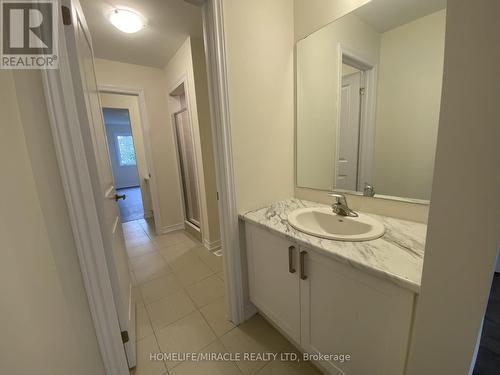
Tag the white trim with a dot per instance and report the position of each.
(75, 174)
(213, 35)
(172, 228)
(212, 246)
(148, 149)
(367, 118)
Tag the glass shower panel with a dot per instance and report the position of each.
(185, 147)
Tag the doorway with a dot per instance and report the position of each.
(355, 130)
(126, 153)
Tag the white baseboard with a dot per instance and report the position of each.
(172, 228)
(212, 246)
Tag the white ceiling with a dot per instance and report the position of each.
(169, 24)
(385, 15)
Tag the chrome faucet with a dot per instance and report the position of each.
(340, 207)
(369, 191)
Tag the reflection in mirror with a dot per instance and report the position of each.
(368, 99)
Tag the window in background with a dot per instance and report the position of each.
(126, 152)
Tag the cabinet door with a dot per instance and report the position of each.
(345, 311)
(274, 289)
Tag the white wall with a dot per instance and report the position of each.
(259, 46)
(180, 67)
(317, 90)
(46, 322)
(165, 172)
(408, 101)
(464, 220)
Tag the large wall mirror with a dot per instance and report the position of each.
(368, 89)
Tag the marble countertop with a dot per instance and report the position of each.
(397, 256)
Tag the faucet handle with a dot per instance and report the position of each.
(340, 198)
(368, 191)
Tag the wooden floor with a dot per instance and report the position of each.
(488, 359)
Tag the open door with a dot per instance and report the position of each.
(348, 142)
(84, 85)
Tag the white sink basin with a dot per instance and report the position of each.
(322, 222)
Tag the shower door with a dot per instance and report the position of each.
(187, 161)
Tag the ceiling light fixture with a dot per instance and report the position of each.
(126, 20)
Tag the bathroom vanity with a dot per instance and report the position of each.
(367, 103)
(337, 297)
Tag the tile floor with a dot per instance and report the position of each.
(181, 308)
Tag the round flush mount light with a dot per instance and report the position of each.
(126, 20)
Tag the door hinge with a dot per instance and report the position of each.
(125, 337)
(362, 91)
(217, 195)
(66, 15)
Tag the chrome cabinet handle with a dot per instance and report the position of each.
(117, 197)
(303, 275)
(291, 268)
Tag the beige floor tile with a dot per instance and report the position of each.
(146, 260)
(256, 336)
(136, 235)
(169, 309)
(144, 328)
(138, 241)
(139, 303)
(193, 272)
(205, 291)
(207, 367)
(170, 239)
(289, 368)
(216, 315)
(144, 365)
(130, 226)
(152, 271)
(221, 275)
(135, 251)
(213, 261)
(178, 257)
(159, 287)
(189, 334)
(148, 225)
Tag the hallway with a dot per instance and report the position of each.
(181, 308)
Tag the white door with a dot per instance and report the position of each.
(346, 311)
(348, 143)
(274, 278)
(80, 55)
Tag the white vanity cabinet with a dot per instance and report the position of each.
(329, 307)
(273, 279)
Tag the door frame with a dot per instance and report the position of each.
(215, 56)
(75, 175)
(146, 137)
(367, 115)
